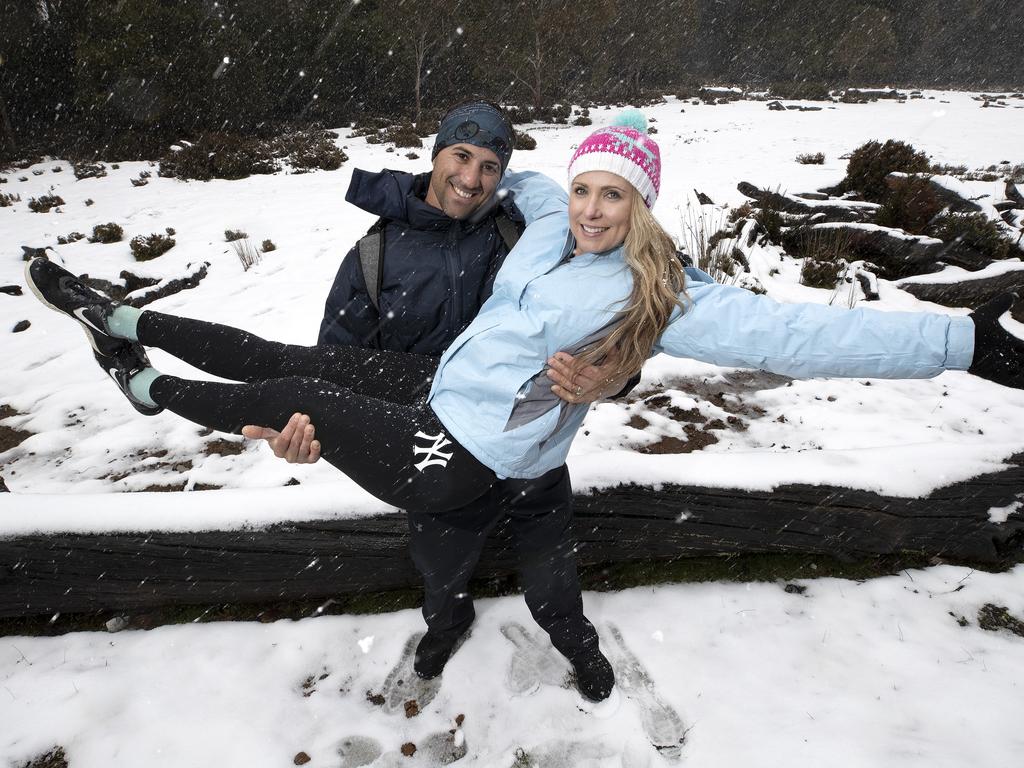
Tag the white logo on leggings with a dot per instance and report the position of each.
(434, 455)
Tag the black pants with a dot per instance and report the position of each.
(446, 547)
(369, 407)
(373, 423)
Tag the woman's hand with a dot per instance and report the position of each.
(296, 443)
(998, 354)
(586, 385)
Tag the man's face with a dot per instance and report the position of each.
(463, 179)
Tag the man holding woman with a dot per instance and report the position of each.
(595, 277)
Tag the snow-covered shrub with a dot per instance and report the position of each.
(8, 200)
(820, 274)
(268, 245)
(870, 163)
(825, 252)
(771, 221)
(147, 247)
(402, 135)
(44, 203)
(910, 205)
(219, 156)
(557, 113)
(975, 230)
(71, 237)
(309, 150)
(86, 170)
(805, 90)
(947, 169)
(524, 141)
(106, 233)
(809, 158)
(230, 235)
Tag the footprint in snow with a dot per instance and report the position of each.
(355, 751)
(442, 748)
(564, 753)
(661, 723)
(403, 684)
(534, 662)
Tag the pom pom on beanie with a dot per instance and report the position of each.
(631, 118)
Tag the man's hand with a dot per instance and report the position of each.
(295, 443)
(589, 383)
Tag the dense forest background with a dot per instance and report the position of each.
(102, 76)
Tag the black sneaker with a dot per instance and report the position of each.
(594, 675)
(63, 292)
(433, 652)
(128, 359)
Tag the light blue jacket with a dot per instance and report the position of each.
(492, 394)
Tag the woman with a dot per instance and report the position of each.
(587, 277)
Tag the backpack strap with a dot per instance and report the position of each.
(510, 232)
(371, 260)
(507, 228)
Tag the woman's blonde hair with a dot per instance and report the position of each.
(658, 283)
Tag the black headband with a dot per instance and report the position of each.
(479, 124)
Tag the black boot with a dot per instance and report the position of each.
(594, 676)
(433, 652)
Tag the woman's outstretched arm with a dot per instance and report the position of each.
(730, 326)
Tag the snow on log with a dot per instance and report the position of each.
(167, 286)
(831, 209)
(970, 293)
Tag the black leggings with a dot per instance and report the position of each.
(369, 406)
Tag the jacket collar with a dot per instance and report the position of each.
(400, 197)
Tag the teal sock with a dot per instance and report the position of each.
(123, 322)
(140, 383)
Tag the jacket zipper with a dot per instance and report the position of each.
(451, 259)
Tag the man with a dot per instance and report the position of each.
(412, 284)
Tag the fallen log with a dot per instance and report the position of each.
(72, 573)
(971, 293)
(900, 254)
(831, 210)
(895, 253)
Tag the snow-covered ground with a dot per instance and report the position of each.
(848, 674)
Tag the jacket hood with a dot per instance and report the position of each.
(399, 196)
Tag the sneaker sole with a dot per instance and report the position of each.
(90, 333)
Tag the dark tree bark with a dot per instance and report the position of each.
(971, 293)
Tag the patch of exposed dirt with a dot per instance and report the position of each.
(996, 617)
(224, 447)
(695, 440)
(10, 436)
(698, 429)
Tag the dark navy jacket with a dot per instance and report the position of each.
(437, 271)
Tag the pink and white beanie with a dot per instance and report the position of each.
(625, 149)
